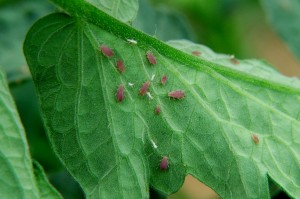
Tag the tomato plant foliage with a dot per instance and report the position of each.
(19, 178)
(114, 149)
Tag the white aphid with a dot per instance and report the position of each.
(132, 41)
(152, 78)
(153, 144)
(149, 95)
(130, 84)
(232, 57)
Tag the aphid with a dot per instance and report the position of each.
(153, 144)
(149, 96)
(121, 66)
(132, 41)
(106, 51)
(151, 58)
(164, 80)
(178, 94)
(196, 53)
(144, 88)
(255, 139)
(130, 84)
(164, 163)
(234, 60)
(152, 77)
(120, 93)
(157, 110)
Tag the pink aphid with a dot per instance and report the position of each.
(234, 60)
(255, 139)
(121, 66)
(106, 51)
(178, 94)
(196, 53)
(144, 88)
(164, 79)
(120, 93)
(151, 58)
(164, 163)
(157, 110)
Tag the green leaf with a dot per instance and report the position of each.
(123, 10)
(17, 176)
(29, 112)
(285, 18)
(45, 189)
(15, 20)
(114, 149)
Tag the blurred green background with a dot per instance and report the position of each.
(226, 26)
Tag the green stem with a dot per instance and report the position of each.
(86, 11)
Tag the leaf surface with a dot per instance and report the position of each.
(46, 191)
(285, 18)
(114, 148)
(18, 180)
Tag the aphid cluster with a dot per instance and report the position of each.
(108, 52)
(144, 89)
